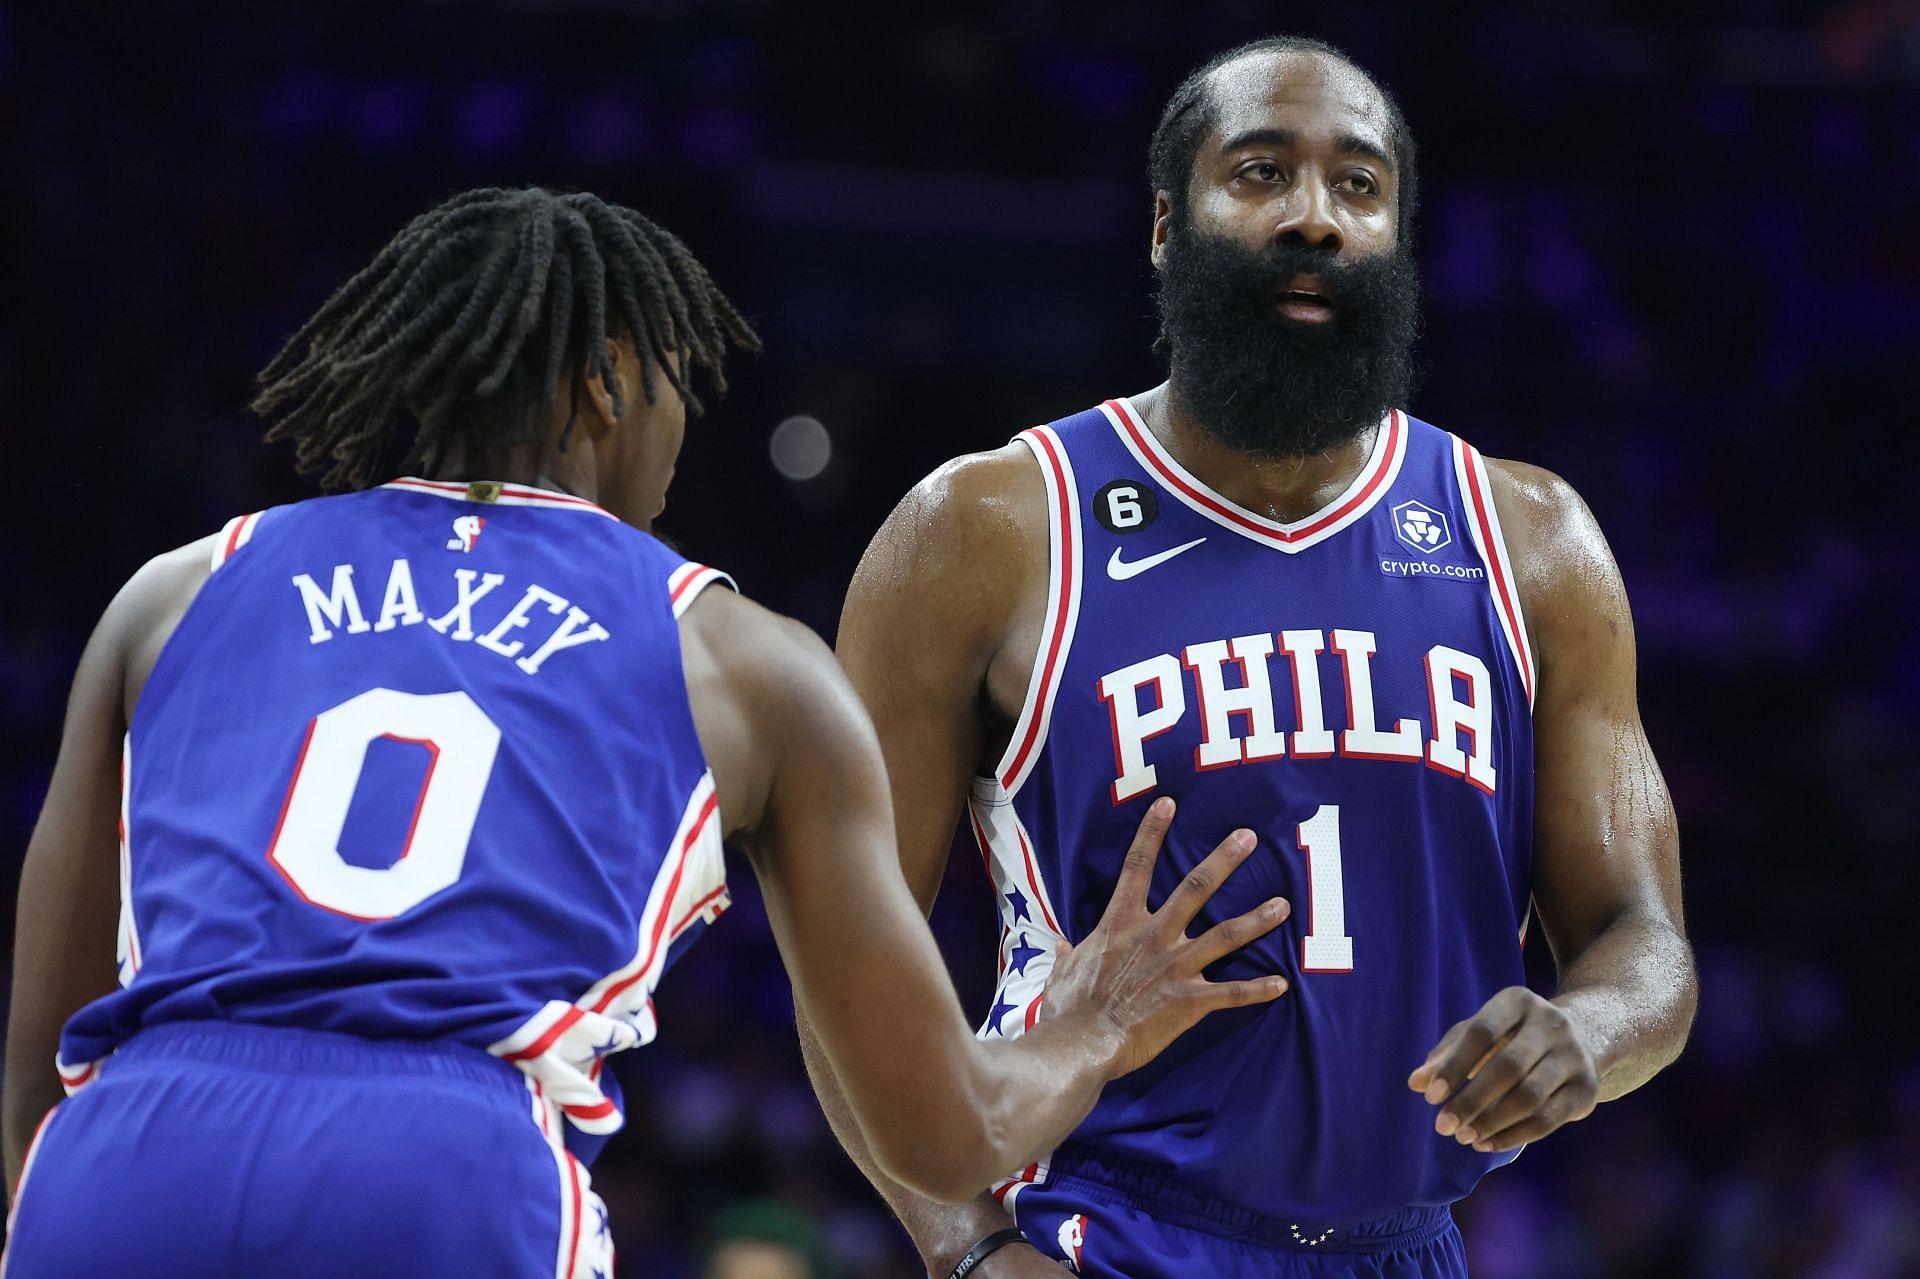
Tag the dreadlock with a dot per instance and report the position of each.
(1191, 111)
(488, 300)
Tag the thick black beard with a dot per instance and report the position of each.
(1273, 386)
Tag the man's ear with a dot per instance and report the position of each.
(1162, 220)
(597, 410)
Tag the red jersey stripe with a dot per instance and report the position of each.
(1057, 479)
(538, 1047)
(1495, 561)
(707, 811)
(1151, 449)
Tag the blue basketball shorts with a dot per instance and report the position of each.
(207, 1149)
(1103, 1235)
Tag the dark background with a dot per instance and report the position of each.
(1672, 252)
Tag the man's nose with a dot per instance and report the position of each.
(1307, 218)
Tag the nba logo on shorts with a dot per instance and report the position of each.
(1421, 527)
(466, 531)
(1073, 1234)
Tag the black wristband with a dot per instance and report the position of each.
(985, 1248)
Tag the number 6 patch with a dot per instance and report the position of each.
(1125, 506)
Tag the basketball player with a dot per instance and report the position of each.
(1263, 588)
(417, 791)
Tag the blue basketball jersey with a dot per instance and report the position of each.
(418, 763)
(1355, 688)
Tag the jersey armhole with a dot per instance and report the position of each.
(237, 532)
(685, 583)
(1065, 560)
(1483, 526)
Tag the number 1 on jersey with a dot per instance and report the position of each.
(1326, 948)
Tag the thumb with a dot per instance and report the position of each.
(1062, 949)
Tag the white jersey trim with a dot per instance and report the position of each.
(1066, 564)
(577, 1253)
(563, 1045)
(685, 583)
(495, 493)
(1483, 526)
(236, 533)
(1006, 850)
(127, 940)
(1373, 482)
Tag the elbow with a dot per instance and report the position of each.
(933, 1180)
(950, 1160)
(1672, 1001)
(1687, 1004)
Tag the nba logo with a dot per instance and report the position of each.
(466, 531)
(1073, 1235)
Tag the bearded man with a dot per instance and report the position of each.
(1266, 591)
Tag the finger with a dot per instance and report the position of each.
(1464, 1047)
(1230, 935)
(1500, 1074)
(1522, 1098)
(1571, 1101)
(1423, 1076)
(1136, 871)
(1200, 883)
(1241, 994)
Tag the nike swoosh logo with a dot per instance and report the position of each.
(1120, 570)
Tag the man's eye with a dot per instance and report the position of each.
(1262, 171)
(1360, 184)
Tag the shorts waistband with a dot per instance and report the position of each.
(288, 1050)
(1156, 1191)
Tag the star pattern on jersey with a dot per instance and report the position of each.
(998, 1013)
(612, 1044)
(602, 1227)
(1018, 901)
(1023, 954)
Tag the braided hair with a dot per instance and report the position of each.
(488, 300)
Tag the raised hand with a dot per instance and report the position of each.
(1140, 971)
(1511, 1073)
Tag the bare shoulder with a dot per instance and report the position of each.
(1568, 581)
(176, 572)
(1550, 530)
(760, 686)
(978, 507)
(752, 646)
(143, 616)
(957, 565)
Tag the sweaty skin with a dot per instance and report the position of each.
(802, 790)
(942, 626)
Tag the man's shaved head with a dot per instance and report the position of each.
(1195, 109)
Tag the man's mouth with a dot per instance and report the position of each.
(1302, 300)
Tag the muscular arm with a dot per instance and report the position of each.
(69, 884)
(63, 952)
(933, 614)
(804, 788)
(1606, 855)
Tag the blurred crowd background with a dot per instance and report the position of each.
(1672, 251)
